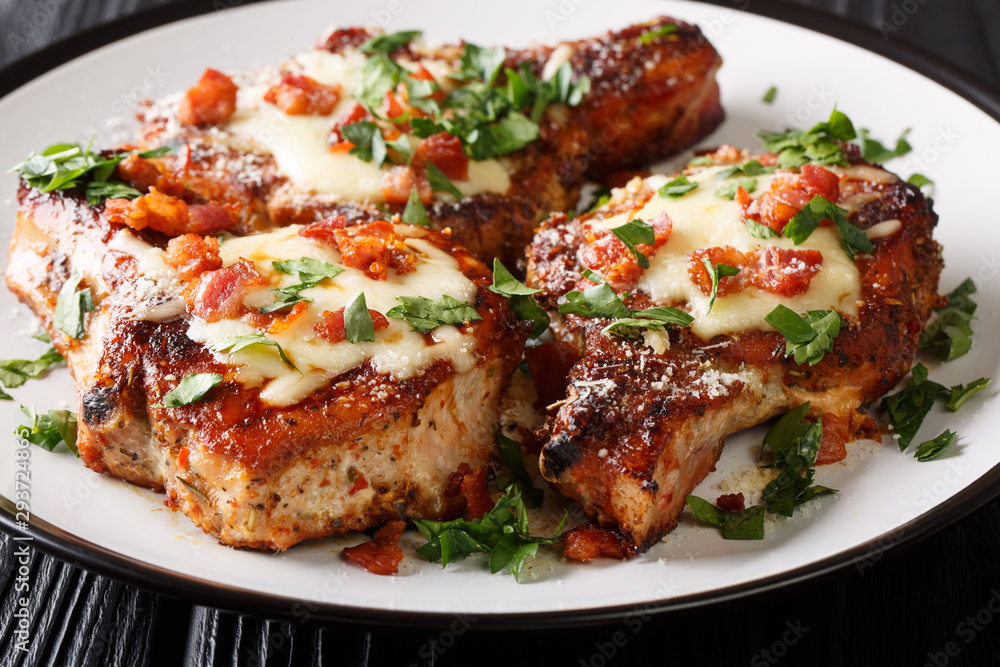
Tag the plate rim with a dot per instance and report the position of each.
(93, 557)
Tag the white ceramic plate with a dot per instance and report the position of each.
(884, 497)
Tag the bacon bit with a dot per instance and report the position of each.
(354, 114)
(218, 295)
(211, 100)
(607, 255)
(138, 172)
(398, 181)
(381, 555)
(422, 74)
(375, 247)
(471, 485)
(445, 152)
(208, 218)
(588, 542)
(346, 38)
(359, 485)
(324, 230)
(731, 502)
(299, 95)
(191, 255)
(281, 323)
(789, 194)
(183, 457)
(391, 108)
(549, 364)
(833, 446)
(771, 269)
(331, 325)
(156, 210)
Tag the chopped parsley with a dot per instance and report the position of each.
(520, 298)
(715, 273)
(15, 372)
(805, 222)
(440, 183)
(759, 231)
(874, 151)
(677, 187)
(369, 144)
(729, 192)
(415, 213)
(389, 42)
(502, 533)
(48, 430)
(807, 338)
(70, 167)
(770, 95)
(960, 393)
(748, 168)
(745, 525)
(358, 324)
(817, 145)
(633, 233)
(602, 301)
(648, 318)
(190, 390)
(311, 272)
(931, 449)
(425, 315)
(71, 307)
(950, 332)
(234, 344)
(510, 452)
(655, 33)
(925, 184)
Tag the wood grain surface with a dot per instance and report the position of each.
(928, 604)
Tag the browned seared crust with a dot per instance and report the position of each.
(639, 430)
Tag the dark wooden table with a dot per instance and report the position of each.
(925, 604)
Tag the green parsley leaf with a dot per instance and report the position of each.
(440, 183)
(71, 307)
(597, 301)
(47, 431)
(510, 452)
(425, 314)
(817, 145)
(715, 273)
(770, 95)
(874, 151)
(759, 231)
(97, 192)
(369, 144)
(701, 161)
(389, 42)
(512, 133)
(502, 532)
(786, 431)
(931, 449)
(522, 303)
(729, 191)
(632, 233)
(288, 297)
(655, 33)
(749, 168)
(415, 213)
(307, 269)
(15, 372)
(794, 444)
(649, 318)
(951, 329)
(960, 393)
(400, 145)
(677, 187)
(805, 222)
(908, 408)
(601, 197)
(807, 338)
(925, 184)
(745, 525)
(481, 64)
(358, 325)
(190, 390)
(236, 343)
(379, 75)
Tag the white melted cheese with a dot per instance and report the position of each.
(299, 143)
(397, 350)
(701, 219)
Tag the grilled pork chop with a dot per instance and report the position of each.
(647, 411)
(272, 145)
(313, 436)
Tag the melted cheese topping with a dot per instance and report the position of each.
(701, 219)
(299, 143)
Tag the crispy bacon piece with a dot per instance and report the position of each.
(208, 218)
(354, 114)
(281, 322)
(138, 172)
(344, 38)
(381, 555)
(731, 502)
(588, 542)
(323, 230)
(771, 269)
(211, 100)
(470, 484)
(445, 152)
(156, 210)
(192, 255)
(374, 248)
(399, 180)
(836, 433)
(607, 255)
(789, 194)
(218, 295)
(332, 329)
(299, 95)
